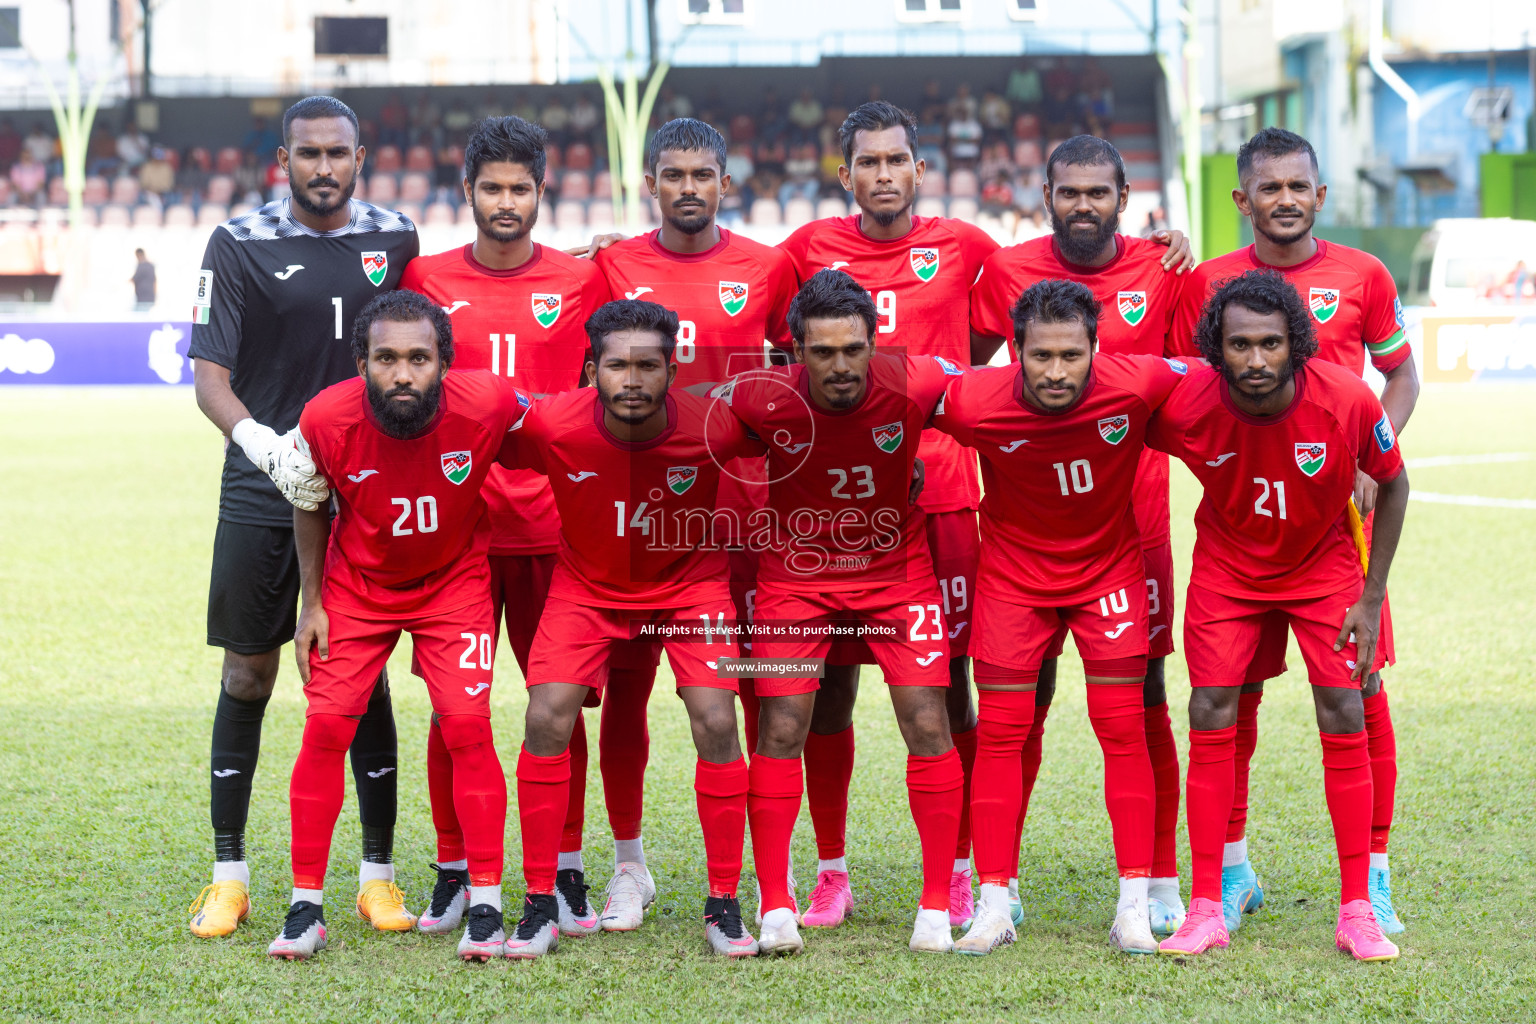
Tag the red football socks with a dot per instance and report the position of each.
(314, 795)
(965, 743)
(576, 793)
(1247, 740)
(1208, 799)
(1029, 771)
(541, 801)
(775, 785)
(1347, 785)
(828, 770)
(624, 747)
(1119, 722)
(1165, 778)
(1383, 747)
(479, 794)
(1005, 718)
(721, 793)
(450, 838)
(934, 785)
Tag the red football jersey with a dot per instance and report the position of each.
(1273, 521)
(731, 299)
(921, 283)
(524, 324)
(412, 526)
(1351, 296)
(838, 517)
(635, 518)
(1139, 299)
(1057, 527)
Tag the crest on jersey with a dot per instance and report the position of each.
(456, 466)
(1113, 428)
(925, 263)
(546, 308)
(1133, 306)
(376, 265)
(888, 437)
(733, 296)
(680, 478)
(1310, 456)
(1323, 302)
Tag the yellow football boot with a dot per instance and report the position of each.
(219, 909)
(382, 905)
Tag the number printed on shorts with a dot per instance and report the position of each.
(1115, 604)
(863, 479)
(426, 515)
(1261, 503)
(476, 643)
(923, 615)
(953, 591)
(1154, 597)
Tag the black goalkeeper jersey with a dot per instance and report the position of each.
(275, 303)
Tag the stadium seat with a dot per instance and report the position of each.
(570, 215)
(180, 216)
(578, 157)
(7, 194)
(466, 216)
(438, 215)
(575, 185)
(929, 206)
(934, 185)
(382, 190)
(221, 189)
(146, 215)
(60, 216)
(600, 217)
(211, 215)
(115, 216)
(96, 190)
(831, 206)
(415, 187)
(125, 191)
(387, 160)
(411, 210)
(963, 184)
(228, 161)
(963, 208)
(57, 196)
(1026, 127)
(602, 185)
(799, 211)
(419, 158)
(766, 213)
(551, 159)
(1026, 153)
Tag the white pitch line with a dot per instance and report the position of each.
(1429, 461)
(1472, 499)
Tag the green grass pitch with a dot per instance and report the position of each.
(106, 689)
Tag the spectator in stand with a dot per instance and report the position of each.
(10, 143)
(996, 117)
(261, 139)
(771, 155)
(831, 160)
(101, 153)
(673, 106)
(964, 134)
(449, 173)
(1157, 220)
(192, 178)
(738, 162)
(996, 160)
(40, 144)
(743, 128)
(28, 176)
(1097, 99)
(1024, 87)
(250, 180)
(427, 121)
(556, 119)
(394, 122)
(524, 107)
(801, 174)
(458, 120)
(805, 116)
(275, 182)
(143, 281)
(997, 195)
(584, 119)
(934, 109)
(157, 175)
(771, 126)
(1060, 110)
(964, 106)
(132, 148)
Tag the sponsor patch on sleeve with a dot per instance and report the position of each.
(202, 297)
(1177, 365)
(1385, 438)
(948, 367)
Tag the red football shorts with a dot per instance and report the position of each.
(1110, 632)
(1222, 635)
(743, 564)
(454, 653)
(519, 586)
(1159, 569)
(955, 545)
(575, 641)
(917, 654)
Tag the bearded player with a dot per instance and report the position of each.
(1355, 312)
(276, 296)
(1275, 438)
(629, 459)
(1086, 192)
(517, 309)
(1060, 438)
(405, 448)
(730, 295)
(844, 424)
